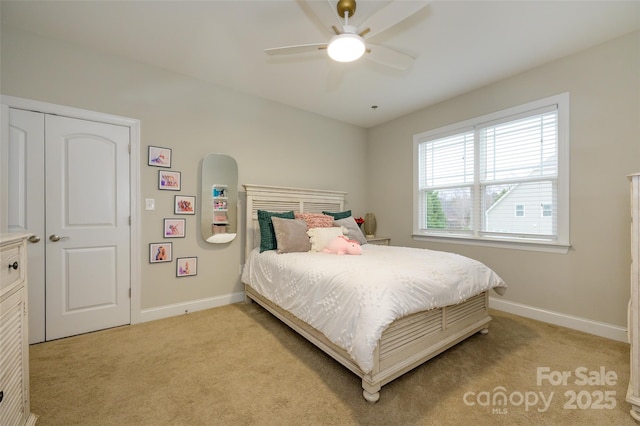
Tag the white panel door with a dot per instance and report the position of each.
(25, 209)
(87, 226)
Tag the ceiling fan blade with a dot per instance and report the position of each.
(390, 15)
(290, 50)
(335, 76)
(324, 13)
(389, 57)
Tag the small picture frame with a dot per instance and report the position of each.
(168, 180)
(186, 266)
(184, 204)
(160, 252)
(174, 228)
(159, 157)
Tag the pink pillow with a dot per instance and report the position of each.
(315, 220)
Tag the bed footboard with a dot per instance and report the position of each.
(404, 345)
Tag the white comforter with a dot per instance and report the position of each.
(352, 299)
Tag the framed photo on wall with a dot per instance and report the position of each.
(186, 266)
(169, 180)
(160, 252)
(184, 204)
(174, 228)
(159, 157)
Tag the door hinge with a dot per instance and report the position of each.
(129, 292)
(129, 148)
(129, 220)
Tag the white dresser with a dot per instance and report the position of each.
(633, 394)
(14, 346)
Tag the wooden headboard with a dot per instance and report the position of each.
(282, 199)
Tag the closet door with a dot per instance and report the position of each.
(87, 223)
(68, 183)
(25, 206)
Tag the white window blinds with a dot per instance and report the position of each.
(495, 178)
(519, 166)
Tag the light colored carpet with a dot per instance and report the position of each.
(238, 365)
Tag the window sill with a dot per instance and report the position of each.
(485, 242)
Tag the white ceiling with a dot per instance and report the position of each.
(458, 45)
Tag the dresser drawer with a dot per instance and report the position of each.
(12, 266)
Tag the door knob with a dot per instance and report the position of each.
(34, 239)
(54, 237)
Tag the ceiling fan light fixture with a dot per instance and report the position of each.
(346, 47)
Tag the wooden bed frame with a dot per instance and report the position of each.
(407, 342)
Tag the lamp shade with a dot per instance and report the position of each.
(346, 47)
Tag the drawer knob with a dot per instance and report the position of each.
(1, 395)
(13, 265)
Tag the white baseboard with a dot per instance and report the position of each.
(601, 329)
(191, 306)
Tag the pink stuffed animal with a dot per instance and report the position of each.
(342, 245)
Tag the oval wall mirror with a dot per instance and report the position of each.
(219, 198)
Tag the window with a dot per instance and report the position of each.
(476, 180)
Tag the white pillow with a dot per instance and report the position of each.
(321, 237)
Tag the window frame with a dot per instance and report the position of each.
(561, 242)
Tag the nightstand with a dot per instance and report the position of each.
(380, 241)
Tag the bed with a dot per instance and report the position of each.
(387, 344)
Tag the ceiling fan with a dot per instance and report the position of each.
(349, 44)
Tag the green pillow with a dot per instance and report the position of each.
(339, 215)
(267, 233)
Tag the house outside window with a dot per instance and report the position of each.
(474, 181)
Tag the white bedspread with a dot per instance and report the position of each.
(352, 299)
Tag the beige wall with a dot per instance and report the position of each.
(592, 280)
(277, 145)
(272, 143)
